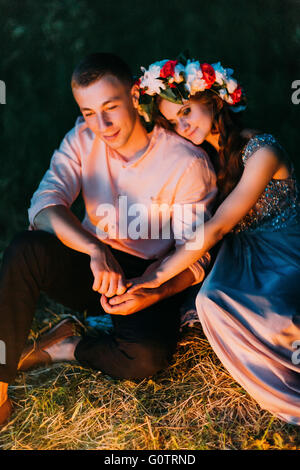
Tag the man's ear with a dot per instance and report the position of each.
(135, 94)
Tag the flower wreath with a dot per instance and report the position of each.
(177, 81)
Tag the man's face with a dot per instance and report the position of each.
(107, 107)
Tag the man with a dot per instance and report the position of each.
(111, 158)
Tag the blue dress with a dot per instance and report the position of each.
(249, 305)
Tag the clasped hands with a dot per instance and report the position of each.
(118, 295)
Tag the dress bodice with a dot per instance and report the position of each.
(279, 204)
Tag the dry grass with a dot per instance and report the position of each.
(194, 404)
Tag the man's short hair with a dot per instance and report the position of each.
(95, 66)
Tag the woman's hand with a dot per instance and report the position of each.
(149, 280)
(146, 282)
(129, 303)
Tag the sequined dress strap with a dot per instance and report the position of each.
(262, 140)
(279, 205)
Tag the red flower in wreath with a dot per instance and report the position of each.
(168, 69)
(208, 74)
(236, 95)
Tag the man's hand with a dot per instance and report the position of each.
(127, 304)
(108, 275)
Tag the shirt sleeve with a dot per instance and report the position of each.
(195, 195)
(61, 183)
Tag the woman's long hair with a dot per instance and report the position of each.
(228, 162)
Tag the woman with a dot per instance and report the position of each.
(249, 305)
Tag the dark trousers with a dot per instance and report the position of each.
(141, 343)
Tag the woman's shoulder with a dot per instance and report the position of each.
(257, 140)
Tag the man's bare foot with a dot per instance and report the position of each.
(57, 345)
(63, 350)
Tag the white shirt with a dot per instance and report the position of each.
(171, 170)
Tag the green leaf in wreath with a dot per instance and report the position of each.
(145, 99)
(183, 91)
(171, 95)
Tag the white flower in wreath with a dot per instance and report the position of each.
(198, 84)
(151, 81)
(222, 75)
(231, 85)
(223, 93)
(192, 68)
(194, 80)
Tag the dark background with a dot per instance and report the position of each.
(42, 40)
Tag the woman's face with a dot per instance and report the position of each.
(192, 120)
